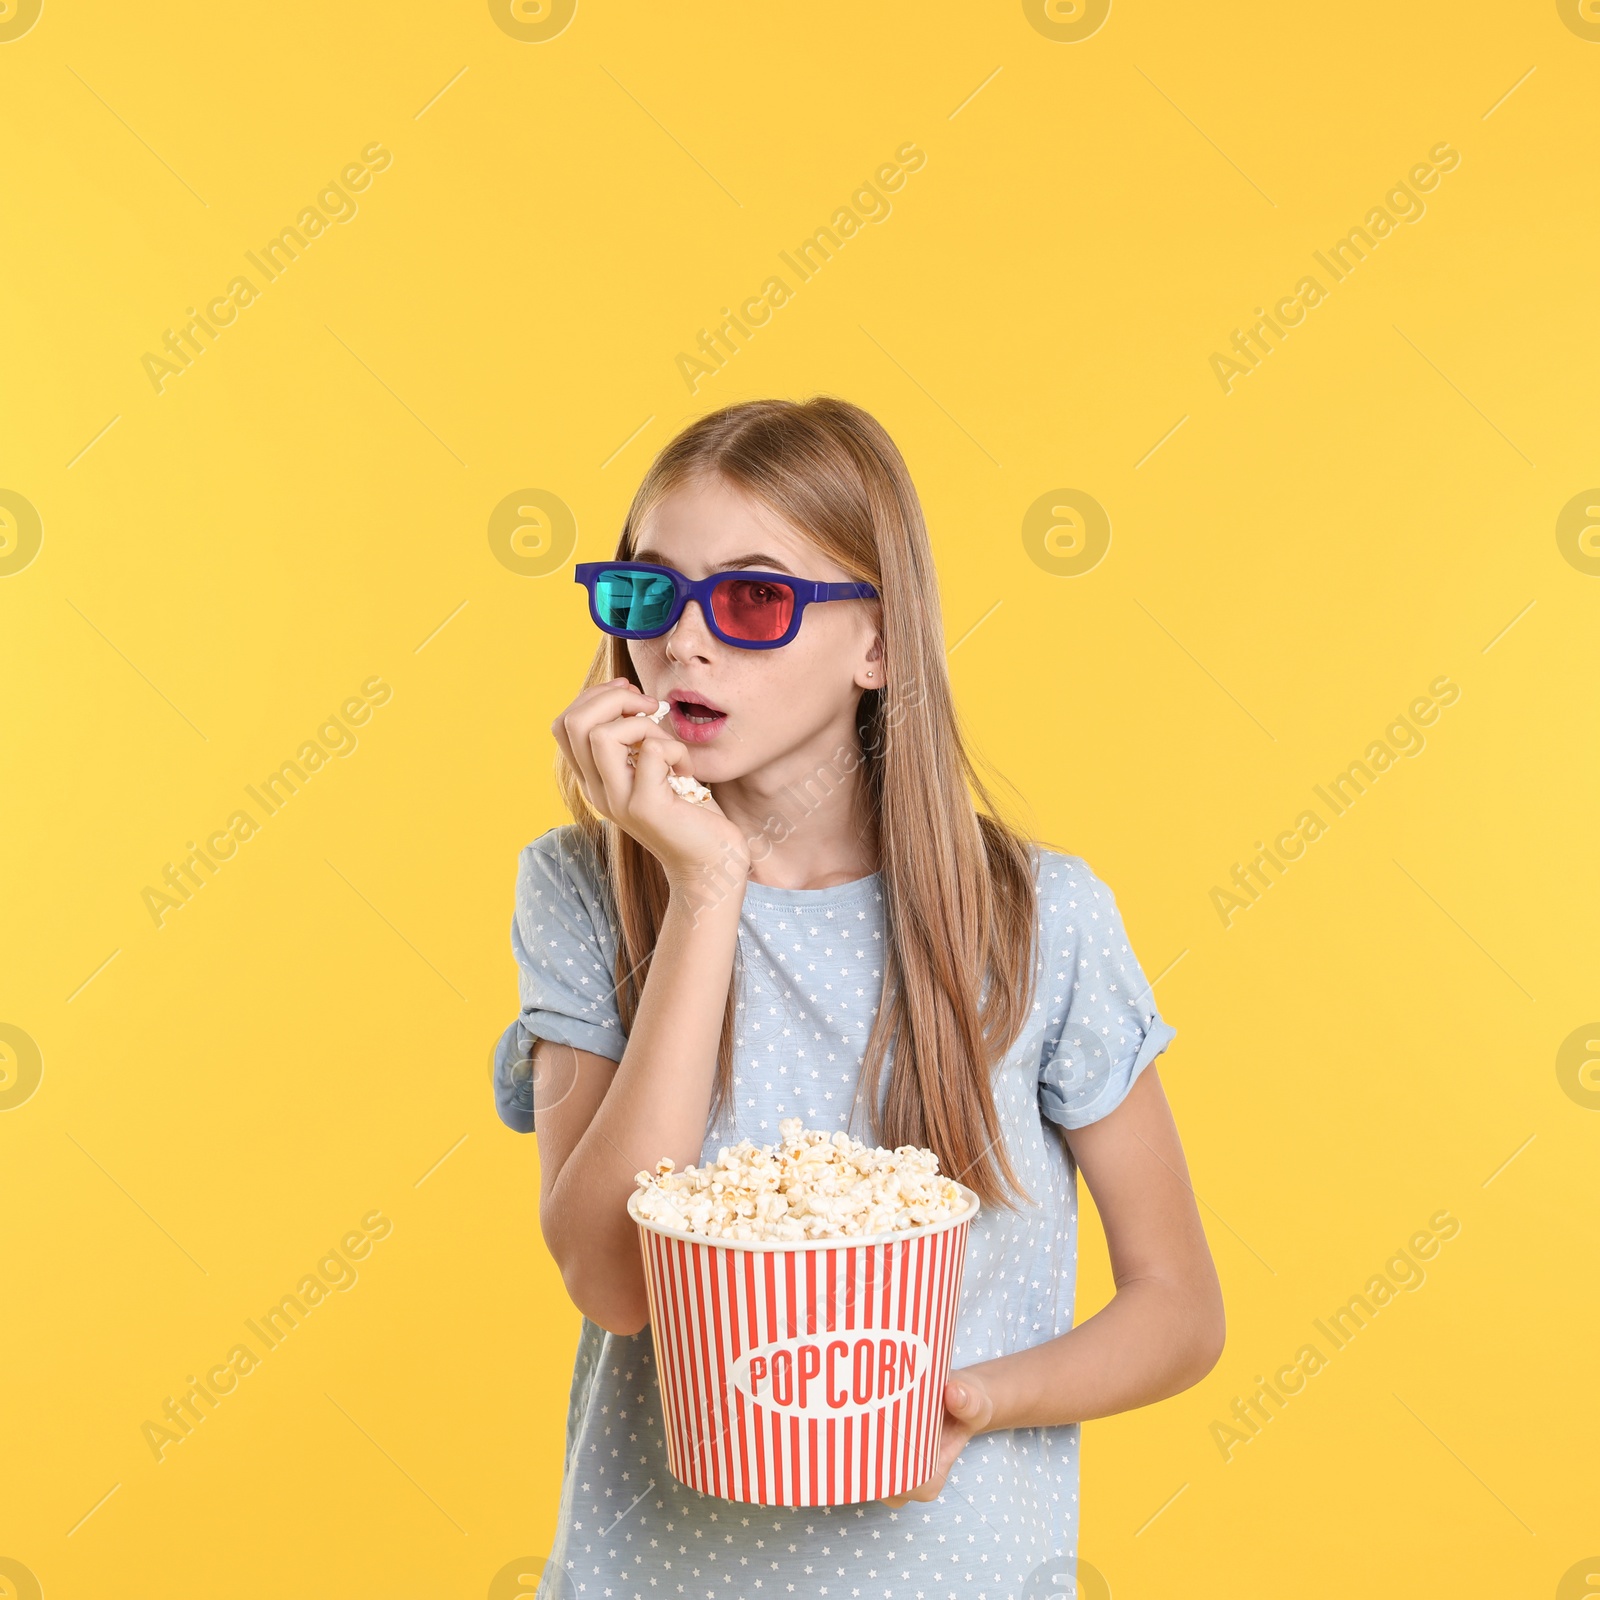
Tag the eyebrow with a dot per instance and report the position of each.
(757, 560)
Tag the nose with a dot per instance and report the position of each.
(689, 635)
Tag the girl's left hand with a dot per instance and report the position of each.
(968, 1407)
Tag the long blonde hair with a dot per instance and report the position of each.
(959, 899)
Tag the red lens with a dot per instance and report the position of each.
(752, 608)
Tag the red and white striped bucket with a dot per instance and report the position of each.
(808, 1373)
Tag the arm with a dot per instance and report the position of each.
(1164, 1328)
(598, 1122)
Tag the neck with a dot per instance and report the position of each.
(806, 817)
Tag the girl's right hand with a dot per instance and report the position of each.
(596, 733)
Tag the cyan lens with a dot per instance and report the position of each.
(635, 601)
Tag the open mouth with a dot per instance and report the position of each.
(697, 712)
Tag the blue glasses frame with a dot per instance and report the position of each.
(806, 592)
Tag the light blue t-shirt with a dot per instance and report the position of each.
(812, 959)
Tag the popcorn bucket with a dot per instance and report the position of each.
(804, 1373)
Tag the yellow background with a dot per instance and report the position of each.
(307, 1039)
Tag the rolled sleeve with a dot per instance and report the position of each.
(564, 944)
(1103, 1027)
(512, 1071)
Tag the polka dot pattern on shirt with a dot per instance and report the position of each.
(812, 982)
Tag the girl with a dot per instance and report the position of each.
(839, 925)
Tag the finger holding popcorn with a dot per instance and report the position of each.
(691, 789)
(616, 746)
(598, 706)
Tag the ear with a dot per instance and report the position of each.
(871, 674)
